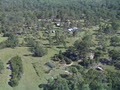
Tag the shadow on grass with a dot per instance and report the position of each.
(42, 86)
(28, 55)
(60, 47)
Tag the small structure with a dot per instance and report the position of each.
(99, 68)
(49, 65)
(57, 24)
(72, 29)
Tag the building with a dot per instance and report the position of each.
(99, 68)
(72, 29)
(49, 65)
(57, 24)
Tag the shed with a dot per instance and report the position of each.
(99, 68)
(49, 64)
(57, 24)
(72, 29)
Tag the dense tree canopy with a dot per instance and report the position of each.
(38, 50)
(17, 70)
(16, 15)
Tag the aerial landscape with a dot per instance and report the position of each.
(59, 44)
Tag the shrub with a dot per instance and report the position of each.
(38, 50)
(117, 65)
(30, 42)
(12, 41)
(17, 70)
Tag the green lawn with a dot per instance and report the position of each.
(2, 38)
(30, 80)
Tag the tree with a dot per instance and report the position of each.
(115, 41)
(12, 41)
(58, 84)
(115, 25)
(38, 50)
(113, 79)
(117, 65)
(30, 42)
(114, 54)
(17, 70)
(98, 55)
(76, 81)
(83, 46)
(108, 30)
(85, 87)
(103, 42)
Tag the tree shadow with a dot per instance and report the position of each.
(42, 85)
(28, 55)
(60, 47)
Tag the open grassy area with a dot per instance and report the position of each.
(29, 79)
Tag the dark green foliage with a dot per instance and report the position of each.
(38, 50)
(117, 65)
(115, 41)
(114, 54)
(112, 28)
(74, 82)
(27, 13)
(83, 46)
(78, 68)
(57, 84)
(89, 80)
(1, 66)
(17, 70)
(114, 80)
(92, 80)
(61, 58)
(12, 41)
(73, 69)
(115, 25)
(30, 42)
(96, 80)
(7, 35)
(108, 30)
(87, 62)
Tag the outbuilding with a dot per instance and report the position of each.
(49, 64)
(72, 29)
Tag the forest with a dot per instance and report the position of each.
(59, 44)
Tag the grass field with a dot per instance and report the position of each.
(29, 79)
